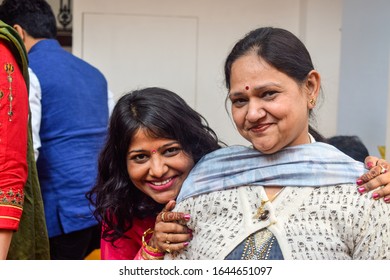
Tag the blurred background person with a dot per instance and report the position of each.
(70, 119)
(351, 145)
(23, 233)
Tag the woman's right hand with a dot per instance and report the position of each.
(377, 178)
(170, 231)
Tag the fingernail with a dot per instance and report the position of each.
(369, 164)
(187, 217)
(186, 244)
(359, 182)
(387, 199)
(375, 195)
(361, 190)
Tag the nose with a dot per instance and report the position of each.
(255, 111)
(158, 167)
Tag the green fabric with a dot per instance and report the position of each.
(31, 241)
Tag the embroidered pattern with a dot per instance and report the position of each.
(258, 246)
(334, 222)
(12, 197)
(9, 69)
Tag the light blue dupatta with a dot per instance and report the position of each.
(308, 165)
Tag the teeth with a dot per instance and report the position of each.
(161, 183)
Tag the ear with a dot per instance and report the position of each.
(312, 86)
(20, 31)
(26, 38)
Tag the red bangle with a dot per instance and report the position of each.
(145, 256)
(153, 254)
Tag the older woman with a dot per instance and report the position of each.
(291, 196)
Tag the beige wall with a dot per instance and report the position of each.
(387, 144)
(182, 44)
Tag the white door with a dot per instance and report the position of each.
(182, 44)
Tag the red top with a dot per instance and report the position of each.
(126, 248)
(13, 139)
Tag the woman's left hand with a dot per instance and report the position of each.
(377, 178)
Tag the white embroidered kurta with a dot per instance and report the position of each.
(309, 223)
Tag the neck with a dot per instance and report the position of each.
(271, 191)
(29, 42)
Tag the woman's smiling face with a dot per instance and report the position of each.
(157, 166)
(269, 108)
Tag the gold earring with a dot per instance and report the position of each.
(312, 102)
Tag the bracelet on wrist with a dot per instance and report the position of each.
(151, 256)
(153, 253)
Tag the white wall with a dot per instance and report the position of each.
(387, 151)
(109, 35)
(322, 36)
(364, 81)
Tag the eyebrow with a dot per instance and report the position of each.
(143, 150)
(269, 84)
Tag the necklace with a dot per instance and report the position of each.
(261, 213)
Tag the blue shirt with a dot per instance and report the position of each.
(73, 129)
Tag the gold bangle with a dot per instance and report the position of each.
(149, 248)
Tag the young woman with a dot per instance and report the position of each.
(290, 197)
(154, 140)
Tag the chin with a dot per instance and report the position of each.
(267, 150)
(161, 200)
(164, 200)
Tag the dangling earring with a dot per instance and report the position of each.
(312, 102)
